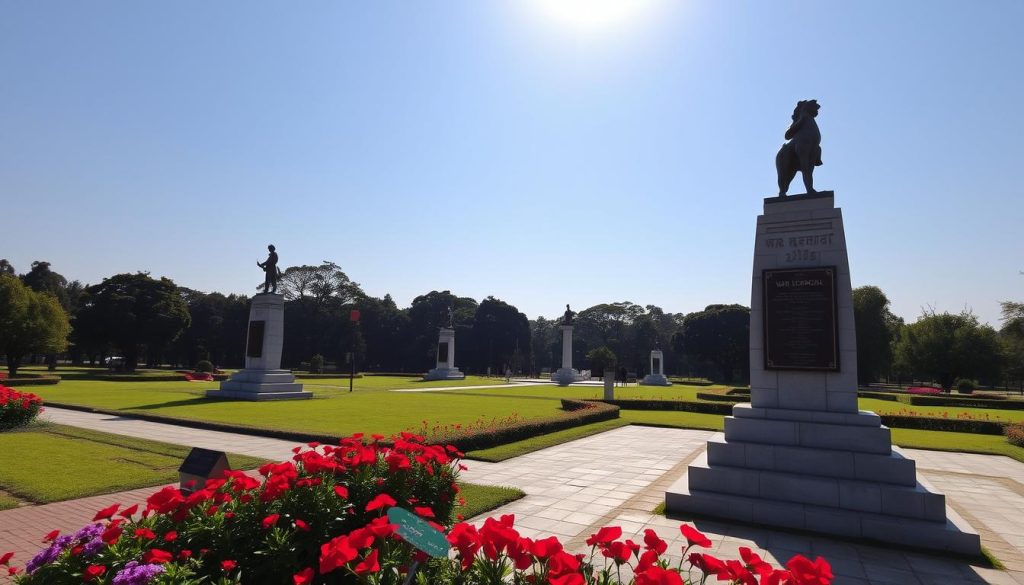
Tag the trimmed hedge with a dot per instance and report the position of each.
(880, 396)
(31, 380)
(974, 401)
(703, 407)
(689, 382)
(951, 425)
(309, 376)
(578, 413)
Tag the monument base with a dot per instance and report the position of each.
(825, 472)
(444, 374)
(565, 376)
(655, 380)
(260, 385)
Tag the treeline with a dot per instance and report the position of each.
(145, 320)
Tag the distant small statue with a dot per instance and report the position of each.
(273, 273)
(451, 318)
(803, 151)
(567, 317)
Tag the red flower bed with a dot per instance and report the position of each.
(17, 408)
(924, 390)
(323, 519)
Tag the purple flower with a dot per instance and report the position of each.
(92, 547)
(43, 557)
(135, 574)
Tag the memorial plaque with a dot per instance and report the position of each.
(254, 348)
(800, 317)
(657, 366)
(442, 352)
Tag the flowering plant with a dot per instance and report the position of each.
(17, 408)
(322, 519)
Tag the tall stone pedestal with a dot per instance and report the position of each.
(801, 455)
(566, 375)
(445, 369)
(657, 375)
(263, 378)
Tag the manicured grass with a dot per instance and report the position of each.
(333, 410)
(962, 442)
(7, 502)
(683, 420)
(484, 498)
(675, 392)
(517, 448)
(953, 412)
(45, 462)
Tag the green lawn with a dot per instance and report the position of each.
(333, 409)
(962, 442)
(484, 498)
(675, 392)
(45, 462)
(7, 502)
(510, 450)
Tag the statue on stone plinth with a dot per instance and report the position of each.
(803, 151)
(269, 266)
(451, 318)
(567, 317)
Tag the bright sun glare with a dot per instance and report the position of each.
(588, 16)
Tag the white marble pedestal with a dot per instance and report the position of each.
(263, 378)
(445, 369)
(801, 455)
(657, 375)
(566, 375)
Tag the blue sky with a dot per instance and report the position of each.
(491, 148)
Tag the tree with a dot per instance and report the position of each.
(136, 314)
(501, 335)
(943, 347)
(718, 340)
(5, 267)
(877, 329)
(41, 279)
(30, 322)
(1012, 336)
(318, 283)
(601, 359)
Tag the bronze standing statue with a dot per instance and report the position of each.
(803, 151)
(269, 266)
(567, 317)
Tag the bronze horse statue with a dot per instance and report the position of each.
(803, 151)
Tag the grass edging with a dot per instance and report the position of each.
(481, 499)
(517, 448)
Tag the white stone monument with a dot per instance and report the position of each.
(566, 375)
(263, 378)
(800, 454)
(445, 369)
(657, 375)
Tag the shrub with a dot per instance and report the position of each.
(965, 385)
(316, 364)
(324, 519)
(1015, 434)
(17, 408)
(205, 366)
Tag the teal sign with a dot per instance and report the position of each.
(418, 533)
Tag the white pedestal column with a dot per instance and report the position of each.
(445, 368)
(263, 378)
(657, 375)
(566, 374)
(801, 455)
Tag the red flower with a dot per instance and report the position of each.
(709, 565)
(336, 553)
(155, 555)
(304, 577)
(658, 576)
(807, 573)
(106, 513)
(380, 501)
(605, 535)
(6, 558)
(228, 565)
(341, 490)
(145, 533)
(51, 536)
(270, 520)
(369, 564)
(466, 540)
(112, 534)
(93, 572)
(129, 511)
(694, 536)
(654, 543)
(424, 511)
(170, 536)
(301, 525)
(545, 548)
(567, 579)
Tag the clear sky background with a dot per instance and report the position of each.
(541, 152)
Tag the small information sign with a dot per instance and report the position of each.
(419, 533)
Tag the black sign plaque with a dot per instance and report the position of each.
(254, 348)
(800, 317)
(442, 352)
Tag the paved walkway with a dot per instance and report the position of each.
(617, 478)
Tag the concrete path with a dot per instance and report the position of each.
(617, 478)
